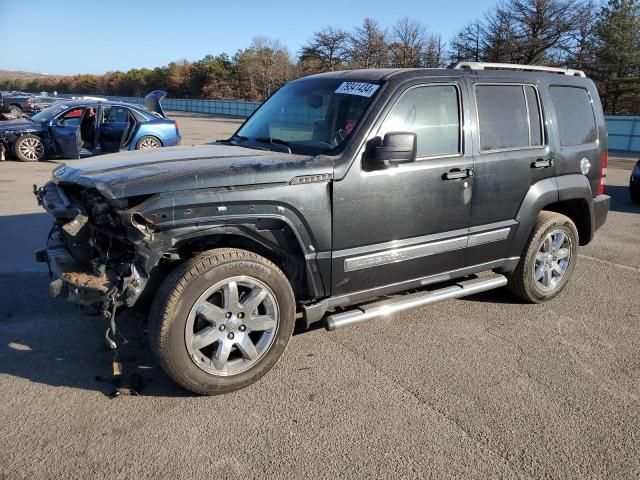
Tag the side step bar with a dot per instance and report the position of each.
(395, 305)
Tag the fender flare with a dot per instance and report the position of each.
(543, 194)
(256, 222)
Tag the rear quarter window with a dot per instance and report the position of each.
(575, 116)
(139, 116)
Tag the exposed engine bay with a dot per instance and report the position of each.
(91, 250)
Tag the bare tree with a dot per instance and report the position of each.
(499, 40)
(434, 53)
(368, 46)
(465, 46)
(542, 26)
(328, 49)
(581, 50)
(526, 31)
(409, 41)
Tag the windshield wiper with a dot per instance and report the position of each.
(239, 138)
(273, 141)
(242, 141)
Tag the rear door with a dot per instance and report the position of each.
(511, 153)
(114, 125)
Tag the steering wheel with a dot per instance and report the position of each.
(339, 136)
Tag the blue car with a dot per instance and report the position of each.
(634, 183)
(80, 128)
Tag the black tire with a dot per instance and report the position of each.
(522, 281)
(178, 295)
(34, 144)
(635, 194)
(15, 110)
(148, 140)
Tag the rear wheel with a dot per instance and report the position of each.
(29, 148)
(548, 261)
(148, 142)
(221, 321)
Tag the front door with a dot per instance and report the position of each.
(406, 222)
(65, 132)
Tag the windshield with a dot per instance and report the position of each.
(48, 113)
(313, 116)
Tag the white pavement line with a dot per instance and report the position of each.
(613, 264)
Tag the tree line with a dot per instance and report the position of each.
(602, 39)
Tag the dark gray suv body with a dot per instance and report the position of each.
(343, 187)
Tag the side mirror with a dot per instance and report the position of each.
(394, 149)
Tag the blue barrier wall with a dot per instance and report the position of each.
(624, 132)
(217, 107)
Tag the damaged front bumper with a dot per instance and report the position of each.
(77, 285)
(97, 282)
(72, 282)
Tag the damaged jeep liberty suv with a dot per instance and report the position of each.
(346, 196)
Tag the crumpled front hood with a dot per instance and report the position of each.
(18, 124)
(144, 172)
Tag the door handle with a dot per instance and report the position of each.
(542, 163)
(456, 174)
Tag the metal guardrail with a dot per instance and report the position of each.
(624, 132)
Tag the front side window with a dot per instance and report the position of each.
(576, 121)
(433, 114)
(509, 117)
(72, 118)
(312, 116)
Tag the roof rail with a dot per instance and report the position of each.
(509, 66)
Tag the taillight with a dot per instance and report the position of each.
(176, 128)
(604, 159)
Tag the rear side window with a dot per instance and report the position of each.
(115, 115)
(576, 121)
(433, 113)
(509, 117)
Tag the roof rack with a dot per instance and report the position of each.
(509, 66)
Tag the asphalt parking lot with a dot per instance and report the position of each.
(482, 387)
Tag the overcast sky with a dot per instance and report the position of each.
(88, 36)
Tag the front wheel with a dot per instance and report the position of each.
(221, 320)
(548, 261)
(29, 148)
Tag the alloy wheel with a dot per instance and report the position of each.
(232, 325)
(552, 260)
(31, 148)
(148, 143)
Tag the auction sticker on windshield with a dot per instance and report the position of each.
(358, 88)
